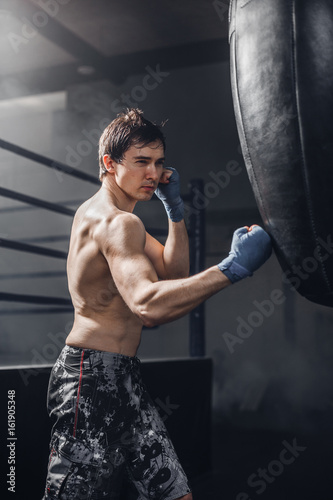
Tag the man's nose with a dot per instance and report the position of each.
(152, 172)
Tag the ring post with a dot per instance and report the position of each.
(197, 258)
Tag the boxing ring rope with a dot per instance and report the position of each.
(26, 247)
(196, 232)
(47, 162)
(14, 195)
(33, 299)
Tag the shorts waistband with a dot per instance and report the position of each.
(93, 358)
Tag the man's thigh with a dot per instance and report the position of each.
(153, 463)
(75, 471)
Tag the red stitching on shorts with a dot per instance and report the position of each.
(78, 395)
(51, 455)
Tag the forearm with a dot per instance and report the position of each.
(176, 251)
(165, 301)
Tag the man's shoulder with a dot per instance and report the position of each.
(121, 221)
(119, 228)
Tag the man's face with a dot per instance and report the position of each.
(140, 171)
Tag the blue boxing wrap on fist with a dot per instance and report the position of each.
(250, 248)
(169, 194)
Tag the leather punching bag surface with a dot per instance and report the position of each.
(282, 85)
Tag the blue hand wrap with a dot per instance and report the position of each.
(169, 194)
(249, 251)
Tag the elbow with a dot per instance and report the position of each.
(146, 316)
(147, 313)
(148, 307)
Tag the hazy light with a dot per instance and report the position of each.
(86, 70)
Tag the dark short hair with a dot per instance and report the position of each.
(128, 129)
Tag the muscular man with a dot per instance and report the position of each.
(108, 441)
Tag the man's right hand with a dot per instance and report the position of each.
(250, 248)
(168, 191)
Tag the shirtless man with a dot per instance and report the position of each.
(108, 440)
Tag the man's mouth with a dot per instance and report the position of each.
(149, 188)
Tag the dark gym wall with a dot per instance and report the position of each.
(278, 374)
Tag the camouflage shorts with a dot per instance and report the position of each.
(108, 441)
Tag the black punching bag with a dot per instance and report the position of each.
(282, 85)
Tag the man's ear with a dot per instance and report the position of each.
(109, 163)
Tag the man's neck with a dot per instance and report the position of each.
(117, 197)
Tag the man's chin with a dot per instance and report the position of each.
(149, 195)
(146, 196)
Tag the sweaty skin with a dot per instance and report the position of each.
(120, 277)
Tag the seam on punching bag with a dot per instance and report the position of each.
(231, 21)
(230, 11)
(240, 114)
(245, 2)
(301, 143)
